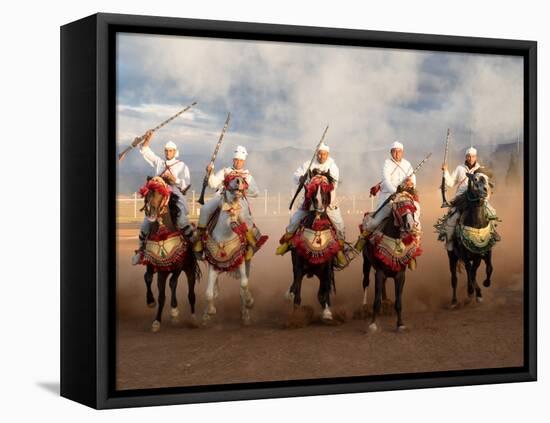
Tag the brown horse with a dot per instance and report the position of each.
(166, 252)
(314, 245)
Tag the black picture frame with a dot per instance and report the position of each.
(88, 221)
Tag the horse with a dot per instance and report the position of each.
(315, 245)
(390, 250)
(474, 237)
(226, 245)
(166, 251)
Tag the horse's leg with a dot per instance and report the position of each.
(191, 280)
(366, 277)
(148, 276)
(211, 282)
(379, 281)
(161, 282)
(173, 283)
(247, 301)
(489, 268)
(399, 286)
(323, 294)
(470, 286)
(453, 262)
(475, 266)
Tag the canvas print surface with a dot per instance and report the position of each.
(298, 211)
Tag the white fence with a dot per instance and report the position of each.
(267, 204)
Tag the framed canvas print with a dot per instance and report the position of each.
(255, 211)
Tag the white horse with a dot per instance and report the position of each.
(225, 250)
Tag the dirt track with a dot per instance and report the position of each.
(474, 336)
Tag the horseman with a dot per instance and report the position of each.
(396, 170)
(459, 178)
(176, 174)
(323, 163)
(216, 181)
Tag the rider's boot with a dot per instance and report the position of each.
(340, 256)
(138, 254)
(412, 264)
(197, 246)
(362, 240)
(285, 240)
(251, 238)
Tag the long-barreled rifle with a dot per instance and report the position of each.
(213, 159)
(138, 140)
(303, 179)
(443, 184)
(401, 186)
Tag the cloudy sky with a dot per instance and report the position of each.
(282, 95)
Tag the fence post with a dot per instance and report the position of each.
(135, 205)
(353, 202)
(265, 202)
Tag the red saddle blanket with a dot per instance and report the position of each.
(394, 253)
(317, 245)
(164, 250)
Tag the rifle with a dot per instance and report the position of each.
(213, 158)
(138, 140)
(401, 185)
(301, 184)
(443, 184)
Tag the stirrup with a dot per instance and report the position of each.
(249, 253)
(282, 249)
(251, 239)
(341, 257)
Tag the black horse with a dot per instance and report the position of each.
(315, 244)
(161, 209)
(390, 252)
(472, 206)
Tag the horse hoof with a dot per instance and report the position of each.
(487, 283)
(373, 327)
(211, 311)
(155, 327)
(174, 312)
(479, 299)
(250, 303)
(193, 322)
(152, 304)
(289, 296)
(327, 316)
(401, 328)
(453, 305)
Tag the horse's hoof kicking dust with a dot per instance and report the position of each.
(155, 327)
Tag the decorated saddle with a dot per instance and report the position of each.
(164, 250)
(477, 240)
(317, 244)
(227, 255)
(395, 253)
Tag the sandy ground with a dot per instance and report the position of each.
(473, 336)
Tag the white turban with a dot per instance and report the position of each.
(240, 153)
(396, 144)
(172, 146)
(324, 147)
(471, 151)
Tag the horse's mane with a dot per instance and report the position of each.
(326, 174)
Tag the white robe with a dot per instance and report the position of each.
(459, 178)
(328, 165)
(215, 181)
(393, 174)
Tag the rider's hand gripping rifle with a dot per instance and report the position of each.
(213, 159)
(139, 140)
(401, 186)
(304, 176)
(443, 184)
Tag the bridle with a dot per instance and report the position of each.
(156, 184)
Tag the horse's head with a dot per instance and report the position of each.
(478, 186)
(318, 190)
(403, 209)
(156, 193)
(235, 185)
